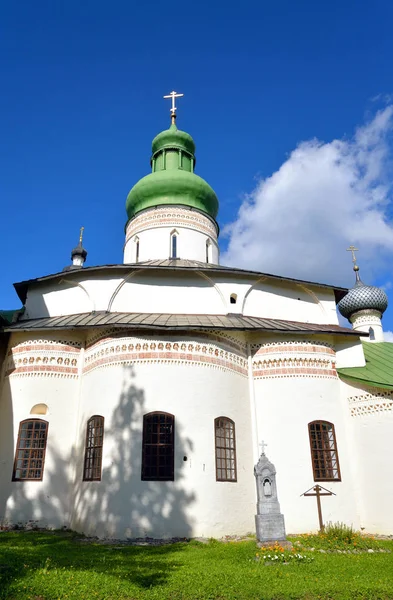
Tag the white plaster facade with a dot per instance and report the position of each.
(270, 385)
(271, 375)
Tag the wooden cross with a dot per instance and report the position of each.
(317, 489)
(353, 250)
(262, 445)
(173, 95)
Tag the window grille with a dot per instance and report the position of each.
(324, 454)
(93, 450)
(30, 450)
(158, 447)
(225, 449)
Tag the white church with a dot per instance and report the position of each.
(135, 397)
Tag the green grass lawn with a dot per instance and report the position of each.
(49, 565)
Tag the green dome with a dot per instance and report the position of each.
(174, 187)
(173, 138)
(173, 181)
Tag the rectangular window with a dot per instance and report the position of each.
(158, 447)
(93, 449)
(30, 450)
(225, 449)
(324, 451)
(174, 246)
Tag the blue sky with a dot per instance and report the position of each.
(282, 98)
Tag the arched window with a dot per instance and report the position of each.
(224, 431)
(208, 243)
(158, 447)
(93, 450)
(371, 334)
(233, 298)
(174, 245)
(30, 450)
(137, 249)
(324, 451)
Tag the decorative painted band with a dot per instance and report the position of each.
(295, 372)
(164, 218)
(32, 347)
(44, 370)
(43, 358)
(153, 342)
(367, 404)
(166, 357)
(369, 408)
(313, 349)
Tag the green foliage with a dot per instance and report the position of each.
(59, 565)
(337, 536)
(340, 532)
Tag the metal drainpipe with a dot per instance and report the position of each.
(253, 408)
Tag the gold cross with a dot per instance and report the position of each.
(353, 250)
(81, 235)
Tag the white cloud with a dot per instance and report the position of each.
(324, 197)
(388, 335)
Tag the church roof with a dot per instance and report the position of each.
(378, 371)
(176, 322)
(173, 264)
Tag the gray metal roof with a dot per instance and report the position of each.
(175, 322)
(171, 265)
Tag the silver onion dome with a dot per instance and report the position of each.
(362, 297)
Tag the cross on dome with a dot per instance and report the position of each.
(353, 250)
(173, 95)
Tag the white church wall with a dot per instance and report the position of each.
(288, 397)
(196, 386)
(293, 302)
(176, 292)
(189, 293)
(153, 230)
(371, 421)
(349, 353)
(39, 371)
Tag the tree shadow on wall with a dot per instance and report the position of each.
(121, 505)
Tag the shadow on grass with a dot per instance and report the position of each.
(22, 553)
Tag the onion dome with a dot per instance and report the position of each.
(173, 138)
(172, 181)
(362, 297)
(78, 251)
(78, 254)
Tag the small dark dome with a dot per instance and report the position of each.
(362, 297)
(79, 251)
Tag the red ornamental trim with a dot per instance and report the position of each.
(295, 372)
(43, 369)
(172, 221)
(124, 340)
(282, 349)
(172, 356)
(41, 347)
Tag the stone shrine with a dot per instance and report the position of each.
(269, 521)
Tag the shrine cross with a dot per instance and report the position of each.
(173, 95)
(263, 445)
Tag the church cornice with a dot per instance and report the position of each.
(171, 265)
